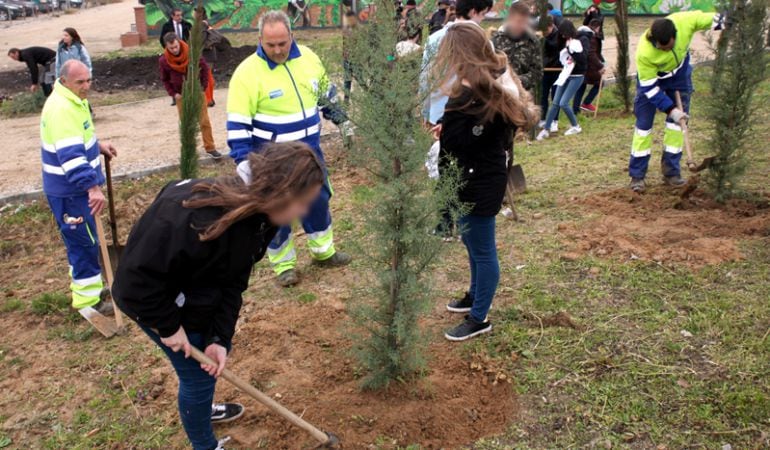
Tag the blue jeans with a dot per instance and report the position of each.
(563, 99)
(196, 393)
(478, 233)
(579, 100)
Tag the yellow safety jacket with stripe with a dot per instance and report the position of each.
(69, 148)
(270, 102)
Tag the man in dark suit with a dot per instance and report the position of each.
(176, 25)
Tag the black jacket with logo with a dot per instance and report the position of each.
(481, 150)
(168, 277)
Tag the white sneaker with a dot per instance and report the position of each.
(554, 127)
(222, 442)
(573, 130)
(543, 134)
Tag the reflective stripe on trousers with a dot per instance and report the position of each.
(318, 226)
(82, 248)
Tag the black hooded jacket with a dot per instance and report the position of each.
(168, 277)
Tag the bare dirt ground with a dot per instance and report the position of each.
(100, 27)
(660, 226)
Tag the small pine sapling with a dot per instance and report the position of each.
(739, 67)
(391, 145)
(192, 96)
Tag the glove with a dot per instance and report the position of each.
(677, 115)
(244, 171)
(347, 129)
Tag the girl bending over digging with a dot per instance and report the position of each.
(486, 105)
(189, 257)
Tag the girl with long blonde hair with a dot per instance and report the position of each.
(487, 104)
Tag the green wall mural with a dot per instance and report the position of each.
(244, 14)
(639, 7)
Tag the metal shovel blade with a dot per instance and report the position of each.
(104, 325)
(516, 179)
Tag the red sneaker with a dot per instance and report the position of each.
(588, 107)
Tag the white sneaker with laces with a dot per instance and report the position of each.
(554, 127)
(543, 134)
(573, 130)
(222, 442)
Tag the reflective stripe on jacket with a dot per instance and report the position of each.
(269, 102)
(69, 148)
(670, 66)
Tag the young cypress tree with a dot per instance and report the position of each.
(739, 67)
(391, 145)
(621, 65)
(192, 96)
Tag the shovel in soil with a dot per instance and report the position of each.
(516, 185)
(109, 256)
(325, 440)
(114, 250)
(687, 144)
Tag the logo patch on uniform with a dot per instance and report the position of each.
(86, 124)
(276, 93)
(478, 130)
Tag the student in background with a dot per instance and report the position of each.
(552, 45)
(595, 70)
(575, 62)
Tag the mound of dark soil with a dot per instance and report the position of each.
(134, 73)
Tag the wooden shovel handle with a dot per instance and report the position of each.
(107, 267)
(685, 131)
(273, 405)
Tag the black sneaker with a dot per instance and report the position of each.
(462, 305)
(674, 181)
(468, 329)
(225, 412)
(215, 155)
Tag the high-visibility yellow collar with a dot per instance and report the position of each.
(293, 53)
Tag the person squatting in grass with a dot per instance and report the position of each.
(487, 103)
(663, 69)
(72, 176)
(278, 95)
(575, 61)
(189, 257)
(173, 71)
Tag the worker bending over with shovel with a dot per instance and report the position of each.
(278, 95)
(72, 179)
(663, 69)
(189, 258)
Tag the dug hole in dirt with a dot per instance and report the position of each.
(300, 352)
(661, 226)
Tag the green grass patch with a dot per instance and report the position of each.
(50, 303)
(23, 104)
(11, 304)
